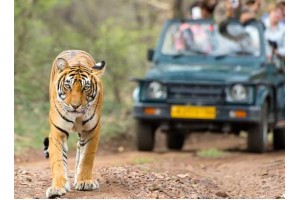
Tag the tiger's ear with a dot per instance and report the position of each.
(99, 68)
(61, 64)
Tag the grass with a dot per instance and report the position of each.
(31, 126)
(142, 160)
(210, 153)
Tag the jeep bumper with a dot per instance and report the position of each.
(224, 113)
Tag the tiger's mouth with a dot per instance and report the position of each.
(82, 109)
(76, 111)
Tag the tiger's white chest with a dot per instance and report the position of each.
(82, 122)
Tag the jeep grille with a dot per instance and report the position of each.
(195, 94)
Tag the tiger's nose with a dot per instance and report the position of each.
(75, 106)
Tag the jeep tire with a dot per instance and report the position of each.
(279, 138)
(145, 135)
(258, 133)
(175, 140)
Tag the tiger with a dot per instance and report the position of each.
(76, 98)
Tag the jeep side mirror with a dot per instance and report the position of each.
(150, 54)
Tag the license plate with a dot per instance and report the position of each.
(193, 112)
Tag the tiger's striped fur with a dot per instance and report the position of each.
(76, 96)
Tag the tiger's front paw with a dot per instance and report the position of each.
(86, 185)
(53, 192)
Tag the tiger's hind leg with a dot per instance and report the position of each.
(58, 162)
(86, 150)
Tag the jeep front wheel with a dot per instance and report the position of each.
(258, 134)
(175, 140)
(145, 135)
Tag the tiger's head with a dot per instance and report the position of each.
(78, 87)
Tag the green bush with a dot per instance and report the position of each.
(43, 29)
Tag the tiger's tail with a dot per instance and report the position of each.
(46, 146)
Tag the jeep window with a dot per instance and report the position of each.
(192, 38)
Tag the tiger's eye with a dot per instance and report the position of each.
(67, 86)
(86, 87)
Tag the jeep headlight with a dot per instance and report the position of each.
(135, 94)
(239, 93)
(156, 90)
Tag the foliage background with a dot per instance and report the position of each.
(117, 31)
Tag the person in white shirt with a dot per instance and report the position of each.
(275, 33)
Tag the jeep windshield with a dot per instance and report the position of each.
(206, 39)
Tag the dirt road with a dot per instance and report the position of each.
(125, 173)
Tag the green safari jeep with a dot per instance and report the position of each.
(206, 77)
